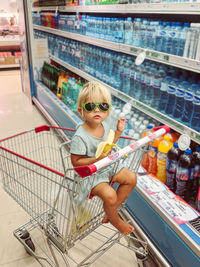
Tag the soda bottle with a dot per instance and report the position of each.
(163, 148)
(194, 177)
(183, 173)
(198, 199)
(145, 160)
(171, 166)
(153, 151)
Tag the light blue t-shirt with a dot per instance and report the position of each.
(83, 143)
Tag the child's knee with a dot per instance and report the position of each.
(131, 178)
(111, 198)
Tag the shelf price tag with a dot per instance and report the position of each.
(153, 54)
(165, 57)
(133, 50)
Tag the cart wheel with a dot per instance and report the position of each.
(26, 236)
(30, 244)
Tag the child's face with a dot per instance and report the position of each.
(97, 115)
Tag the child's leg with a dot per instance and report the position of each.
(127, 180)
(109, 197)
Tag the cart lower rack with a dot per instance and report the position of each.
(37, 172)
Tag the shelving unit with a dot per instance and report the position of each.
(172, 60)
(135, 103)
(145, 8)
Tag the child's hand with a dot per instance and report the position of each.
(121, 124)
(104, 155)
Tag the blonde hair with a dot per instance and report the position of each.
(92, 90)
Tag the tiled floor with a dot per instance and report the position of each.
(18, 114)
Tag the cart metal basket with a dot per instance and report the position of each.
(37, 173)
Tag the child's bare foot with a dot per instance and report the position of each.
(124, 228)
(105, 219)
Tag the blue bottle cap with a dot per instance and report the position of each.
(149, 126)
(188, 152)
(175, 145)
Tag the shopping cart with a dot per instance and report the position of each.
(37, 173)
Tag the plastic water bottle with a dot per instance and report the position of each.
(171, 91)
(195, 121)
(151, 41)
(183, 173)
(136, 31)
(175, 34)
(143, 35)
(148, 85)
(141, 93)
(160, 33)
(182, 39)
(163, 93)
(171, 166)
(132, 79)
(128, 31)
(166, 36)
(156, 88)
(192, 38)
(126, 78)
(137, 88)
(179, 101)
(188, 108)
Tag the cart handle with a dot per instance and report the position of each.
(88, 170)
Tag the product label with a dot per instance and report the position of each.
(157, 83)
(162, 157)
(196, 100)
(171, 90)
(182, 174)
(180, 93)
(196, 171)
(188, 96)
(171, 165)
(162, 33)
(172, 34)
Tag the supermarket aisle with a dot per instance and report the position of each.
(18, 114)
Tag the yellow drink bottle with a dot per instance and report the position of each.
(163, 148)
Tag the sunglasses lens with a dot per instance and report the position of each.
(104, 106)
(90, 106)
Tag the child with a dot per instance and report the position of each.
(94, 103)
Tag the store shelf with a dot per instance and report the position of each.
(9, 66)
(148, 8)
(168, 59)
(7, 43)
(177, 126)
(80, 38)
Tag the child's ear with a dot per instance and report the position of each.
(80, 110)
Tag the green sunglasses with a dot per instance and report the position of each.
(91, 106)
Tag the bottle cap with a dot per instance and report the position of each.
(175, 145)
(188, 152)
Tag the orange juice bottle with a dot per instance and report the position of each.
(153, 147)
(145, 160)
(62, 78)
(163, 148)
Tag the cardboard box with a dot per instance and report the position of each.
(2, 61)
(10, 60)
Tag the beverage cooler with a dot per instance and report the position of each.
(148, 55)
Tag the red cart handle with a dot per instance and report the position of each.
(87, 170)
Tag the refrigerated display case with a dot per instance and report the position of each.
(170, 225)
(9, 41)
